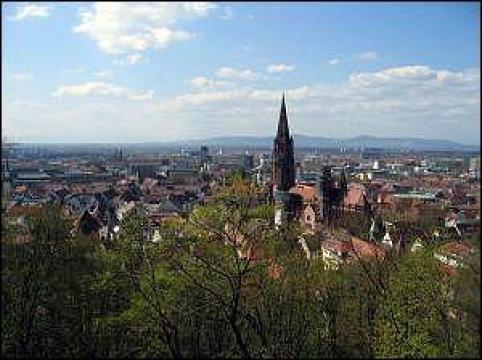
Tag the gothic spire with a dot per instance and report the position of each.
(283, 131)
(283, 156)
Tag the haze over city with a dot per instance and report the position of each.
(115, 72)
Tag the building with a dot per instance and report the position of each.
(454, 253)
(283, 154)
(283, 178)
(474, 168)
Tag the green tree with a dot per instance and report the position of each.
(413, 318)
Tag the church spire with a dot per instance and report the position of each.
(283, 130)
(283, 157)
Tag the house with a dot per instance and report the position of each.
(335, 252)
(309, 211)
(355, 199)
(367, 250)
(454, 253)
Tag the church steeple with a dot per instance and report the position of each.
(283, 130)
(283, 157)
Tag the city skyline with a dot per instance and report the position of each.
(112, 72)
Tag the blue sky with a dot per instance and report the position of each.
(120, 72)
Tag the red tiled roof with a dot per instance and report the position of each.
(448, 269)
(456, 248)
(19, 210)
(354, 196)
(364, 248)
(337, 246)
(307, 192)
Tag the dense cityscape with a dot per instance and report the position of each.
(291, 246)
(98, 189)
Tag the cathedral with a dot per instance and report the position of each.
(283, 154)
(305, 203)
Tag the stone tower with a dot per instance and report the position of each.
(283, 156)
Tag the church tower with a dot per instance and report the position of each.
(283, 171)
(283, 157)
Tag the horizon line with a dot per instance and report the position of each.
(99, 142)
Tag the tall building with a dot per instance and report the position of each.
(474, 168)
(283, 156)
(283, 171)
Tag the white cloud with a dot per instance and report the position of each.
(368, 56)
(413, 101)
(30, 10)
(120, 28)
(230, 73)
(22, 76)
(89, 88)
(131, 59)
(204, 83)
(391, 75)
(101, 88)
(403, 101)
(280, 68)
(333, 61)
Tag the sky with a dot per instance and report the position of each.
(139, 72)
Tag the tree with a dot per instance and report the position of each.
(413, 319)
(45, 298)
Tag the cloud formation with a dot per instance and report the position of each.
(279, 68)
(230, 73)
(120, 28)
(400, 101)
(333, 61)
(100, 88)
(414, 101)
(205, 83)
(30, 10)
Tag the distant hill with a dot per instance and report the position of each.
(365, 141)
(301, 141)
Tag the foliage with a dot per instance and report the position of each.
(223, 282)
(413, 321)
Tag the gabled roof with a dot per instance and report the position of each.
(89, 223)
(365, 249)
(307, 192)
(456, 248)
(355, 195)
(337, 246)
